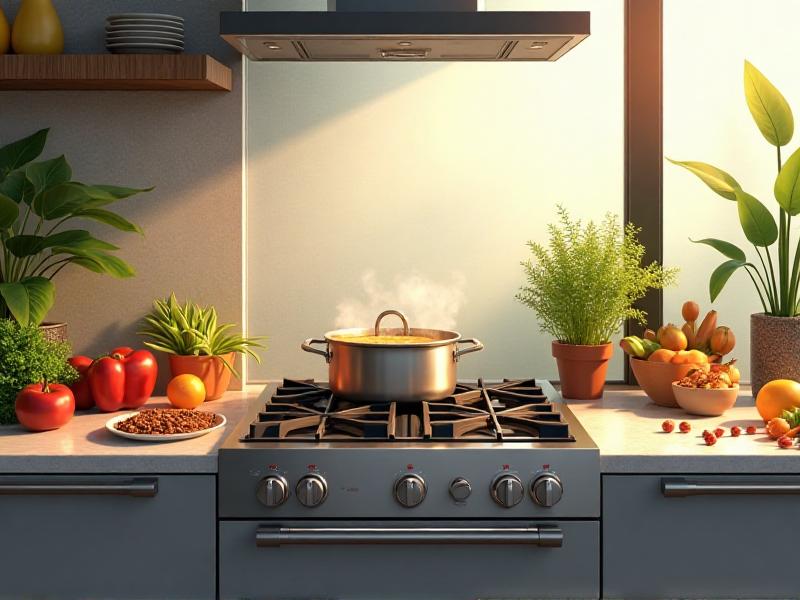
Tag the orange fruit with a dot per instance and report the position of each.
(672, 338)
(697, 357)
(186, 391)
(661, 355)
(776, 396)
(682, 357)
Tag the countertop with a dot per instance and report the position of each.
(85, 446)
(626, 426)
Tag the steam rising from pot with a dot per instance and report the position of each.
(426, 303)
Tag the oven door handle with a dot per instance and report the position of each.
(545, 536)
(679, 487)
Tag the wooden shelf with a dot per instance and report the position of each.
(113, 72)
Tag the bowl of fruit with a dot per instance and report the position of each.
(668, 355)
(707, 392)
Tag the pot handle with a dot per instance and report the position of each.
(308, 347)
(387, 313)
(476, 347)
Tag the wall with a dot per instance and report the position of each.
(186, 144)
(706, 118)
(417, 185)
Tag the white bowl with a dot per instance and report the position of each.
(711, 402)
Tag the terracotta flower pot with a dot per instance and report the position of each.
(582, 369)
(215, 375)
(774, 349)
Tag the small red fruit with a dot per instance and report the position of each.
(668, 426)
(711, 440)
(751, 430)
(685, 427)
(785, 442)
(719, 432)
(736, 431)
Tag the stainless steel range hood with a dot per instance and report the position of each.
(409, 30)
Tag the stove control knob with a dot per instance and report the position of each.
(410, 490)
(460, 489)
(507, 490)
(311, 490)
(546, 490)
(273, 491)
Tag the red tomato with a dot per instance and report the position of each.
(43, 406)
(123, 380)
(80, 389)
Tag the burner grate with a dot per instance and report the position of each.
(512, 411)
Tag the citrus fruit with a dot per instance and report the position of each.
(776, 396)
(661, 355)
(186, 391)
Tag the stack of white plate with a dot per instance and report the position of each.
(144, 33)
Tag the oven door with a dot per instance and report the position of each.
(409, 560)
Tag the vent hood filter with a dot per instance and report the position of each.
(404, 35)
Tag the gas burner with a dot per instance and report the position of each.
(511, 411)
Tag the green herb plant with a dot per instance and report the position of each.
(584, 284)
(37, 202)
(778, 289)
(26, 357)
(192, 330)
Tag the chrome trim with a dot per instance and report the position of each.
(140, 488)
(679, 487)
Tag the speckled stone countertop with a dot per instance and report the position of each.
(85, 446)
(626, 426)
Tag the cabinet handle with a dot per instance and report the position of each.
(548, 536)
(680, 487)
(140, 488)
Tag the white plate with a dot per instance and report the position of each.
(147, 49)
(151, 45)
(145, 23)
(150, 437)
(148, 27)
(143, 40)
(144, 33)
(158, 16)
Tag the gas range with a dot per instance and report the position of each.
(496, 474)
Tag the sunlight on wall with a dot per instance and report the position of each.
(706, 118)
(434, 171)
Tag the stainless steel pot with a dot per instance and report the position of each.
(364, 372)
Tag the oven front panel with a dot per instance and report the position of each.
(409, 560)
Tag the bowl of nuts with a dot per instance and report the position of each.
(705, 393)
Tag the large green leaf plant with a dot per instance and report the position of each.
(776, 275)
(39, 201)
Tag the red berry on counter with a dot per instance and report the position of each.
(711, 440)
(736, 431)
(668, 426)
(685, 427)
(719, 432)
(785, 442)
(751, 430)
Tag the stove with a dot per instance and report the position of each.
(495, 489)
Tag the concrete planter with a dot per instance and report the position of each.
(55, 332)
(774, 349)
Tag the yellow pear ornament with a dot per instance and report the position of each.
(5, 32)
(37, 29)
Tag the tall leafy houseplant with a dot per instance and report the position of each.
(39, 201)
(583, 286)
(775, 271)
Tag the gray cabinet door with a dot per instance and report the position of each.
(700, 536)
(108, 536)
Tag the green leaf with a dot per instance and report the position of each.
(769, 108)
(48, 173)
(757, 222)
(17, 187)
(109, 218)
(61, 200)
(726, 248)
(717, 179)
(97, 261)
(787, 185)
(721, 275)
(29, 245)
(111, 193)
(21, 152)
(9, 211)
(29, 300)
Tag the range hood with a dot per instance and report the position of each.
(408, 30)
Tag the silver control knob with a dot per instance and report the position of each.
(410, 490)
(273, 491)
(507, 490)
(546, 490)
(311, 490)
(460, 489)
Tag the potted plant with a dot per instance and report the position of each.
(775, 272)
(39, 201)
(196, 343)
(583, 287)
(27, 357)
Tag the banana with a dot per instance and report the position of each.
(705, 331)
(649, 347)
(632, 345)
(688, 331)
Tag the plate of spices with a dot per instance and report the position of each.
(165, 424)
